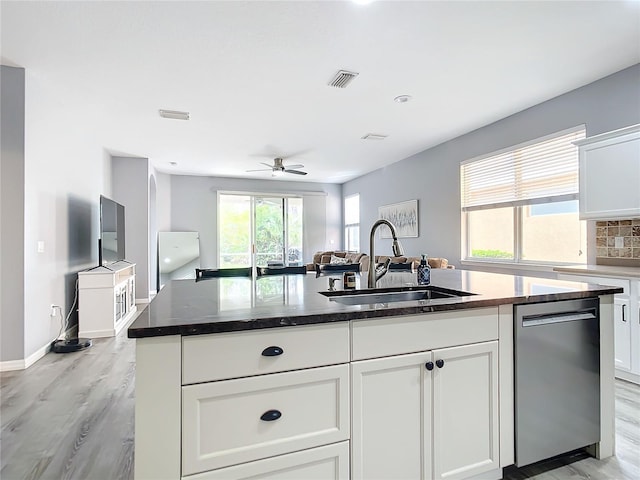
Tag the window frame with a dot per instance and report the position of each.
(518, 207)
(253, 198)
(346, 225)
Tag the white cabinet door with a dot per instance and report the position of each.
(622, 332)
(391, 418)
(465, 411)
(610, 175)
(410, 422)
(330, 462)
(634, 332)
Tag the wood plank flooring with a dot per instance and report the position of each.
(70, 416)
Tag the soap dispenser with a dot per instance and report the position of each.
(424, 272)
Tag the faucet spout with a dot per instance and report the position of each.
(376, 274)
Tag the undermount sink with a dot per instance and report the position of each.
(387, 295)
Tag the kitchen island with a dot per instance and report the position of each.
(268, 378)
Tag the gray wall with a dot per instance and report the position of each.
(131, 189)
(193, 201)
(66, 170)
(11, 213)
(433, 176)
(163, 201)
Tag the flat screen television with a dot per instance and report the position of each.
(111, 241)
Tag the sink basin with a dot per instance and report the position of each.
(387, 295)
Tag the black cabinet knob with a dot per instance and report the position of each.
(429, 365)
(440, 363)
(272, 351)
(271, 415)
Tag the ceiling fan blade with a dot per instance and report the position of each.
(299, 165)
(296, 172)
(260, 170)
(266, 164)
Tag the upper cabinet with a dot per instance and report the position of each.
(610, 174)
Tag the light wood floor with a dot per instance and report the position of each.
(70, 416)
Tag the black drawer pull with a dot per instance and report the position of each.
(429, 366)
(271, 415)
(440, 363)
(272, 352)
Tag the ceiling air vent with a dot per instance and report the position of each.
(374, 136)
(174, 114)
(342, 79)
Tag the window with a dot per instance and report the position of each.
(260, 230)
(352, 223)
(520, 205)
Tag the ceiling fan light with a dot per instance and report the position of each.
(277, 173)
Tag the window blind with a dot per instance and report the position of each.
(537, 172)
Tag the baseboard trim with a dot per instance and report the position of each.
(11, 365)
(25, 363)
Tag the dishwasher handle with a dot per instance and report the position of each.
(537, 320)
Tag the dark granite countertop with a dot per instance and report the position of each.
(216, 305)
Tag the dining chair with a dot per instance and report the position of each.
(281, 270)
(222, 272)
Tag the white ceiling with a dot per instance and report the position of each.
(254, 75)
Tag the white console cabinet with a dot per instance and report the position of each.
(107, 299)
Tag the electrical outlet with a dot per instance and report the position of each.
(52, 311)
(619, 242)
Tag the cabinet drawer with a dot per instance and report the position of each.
(330, 462)
(415, 333)
(222, 422)
(240, 354)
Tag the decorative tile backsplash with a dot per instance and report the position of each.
(618, 238)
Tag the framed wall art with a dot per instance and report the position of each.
(403, 216)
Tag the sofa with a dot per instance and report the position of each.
(434, 262)
(324, 258)
(349, 258)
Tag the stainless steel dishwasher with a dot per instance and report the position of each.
(557, 378)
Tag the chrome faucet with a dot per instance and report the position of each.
(376, 273)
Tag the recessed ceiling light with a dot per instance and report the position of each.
(174, 114)
(374, 136)
(402, 98)
(167, 260)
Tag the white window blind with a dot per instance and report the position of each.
(537, 172)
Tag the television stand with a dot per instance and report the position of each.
(107, 299)
(71, 345)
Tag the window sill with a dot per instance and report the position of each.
(534, 267)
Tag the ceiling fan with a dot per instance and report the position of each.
(278, 168)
